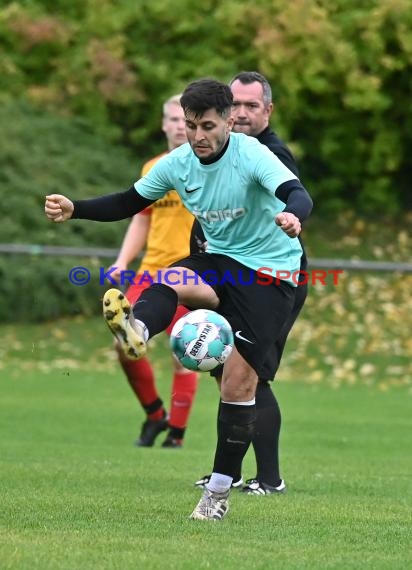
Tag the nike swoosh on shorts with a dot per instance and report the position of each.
(240, 337)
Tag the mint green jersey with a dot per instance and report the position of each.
(233, 199)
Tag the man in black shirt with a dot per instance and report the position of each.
(252, 108)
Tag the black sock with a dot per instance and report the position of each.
(235, 430)
(153, 407)
(176, 433)
(266, 436)
(156, 307)
(238, 475)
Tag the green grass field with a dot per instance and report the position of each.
(76, 494)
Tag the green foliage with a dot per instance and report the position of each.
(37, 288)
(344, 69)
(45, 154)
(341, 73)
(97, 71)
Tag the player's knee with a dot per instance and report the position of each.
(233, 390)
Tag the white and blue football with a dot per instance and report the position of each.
(201, 340)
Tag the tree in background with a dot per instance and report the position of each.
(342, 73)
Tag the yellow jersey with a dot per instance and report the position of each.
(170, 227)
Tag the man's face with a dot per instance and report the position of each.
(173, 126)
(207, 134)
(250, 114)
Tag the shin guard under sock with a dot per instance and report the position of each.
(237, 476)
(235, 431)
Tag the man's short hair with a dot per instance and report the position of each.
(204, 94)
(247, 77)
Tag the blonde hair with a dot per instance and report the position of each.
(174, 100)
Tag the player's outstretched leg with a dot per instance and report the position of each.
(118, 315)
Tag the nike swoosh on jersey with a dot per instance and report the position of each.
(190, 190)
(240, 337)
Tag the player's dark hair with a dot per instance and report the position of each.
(247, 77)
(204, 94)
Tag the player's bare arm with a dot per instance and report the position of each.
(133, 244)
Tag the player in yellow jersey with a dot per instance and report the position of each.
(164, 228)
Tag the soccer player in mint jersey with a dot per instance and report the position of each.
(250, 207)
(252, 108)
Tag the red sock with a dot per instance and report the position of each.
(142, 381)
(183, 394)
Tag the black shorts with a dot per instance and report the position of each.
(274, 357)
(257, 312)
(272, 361)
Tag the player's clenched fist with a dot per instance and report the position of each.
(289, 223)
(58, 208)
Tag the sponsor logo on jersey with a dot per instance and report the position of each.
(220, 215)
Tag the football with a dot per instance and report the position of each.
(201, 340)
